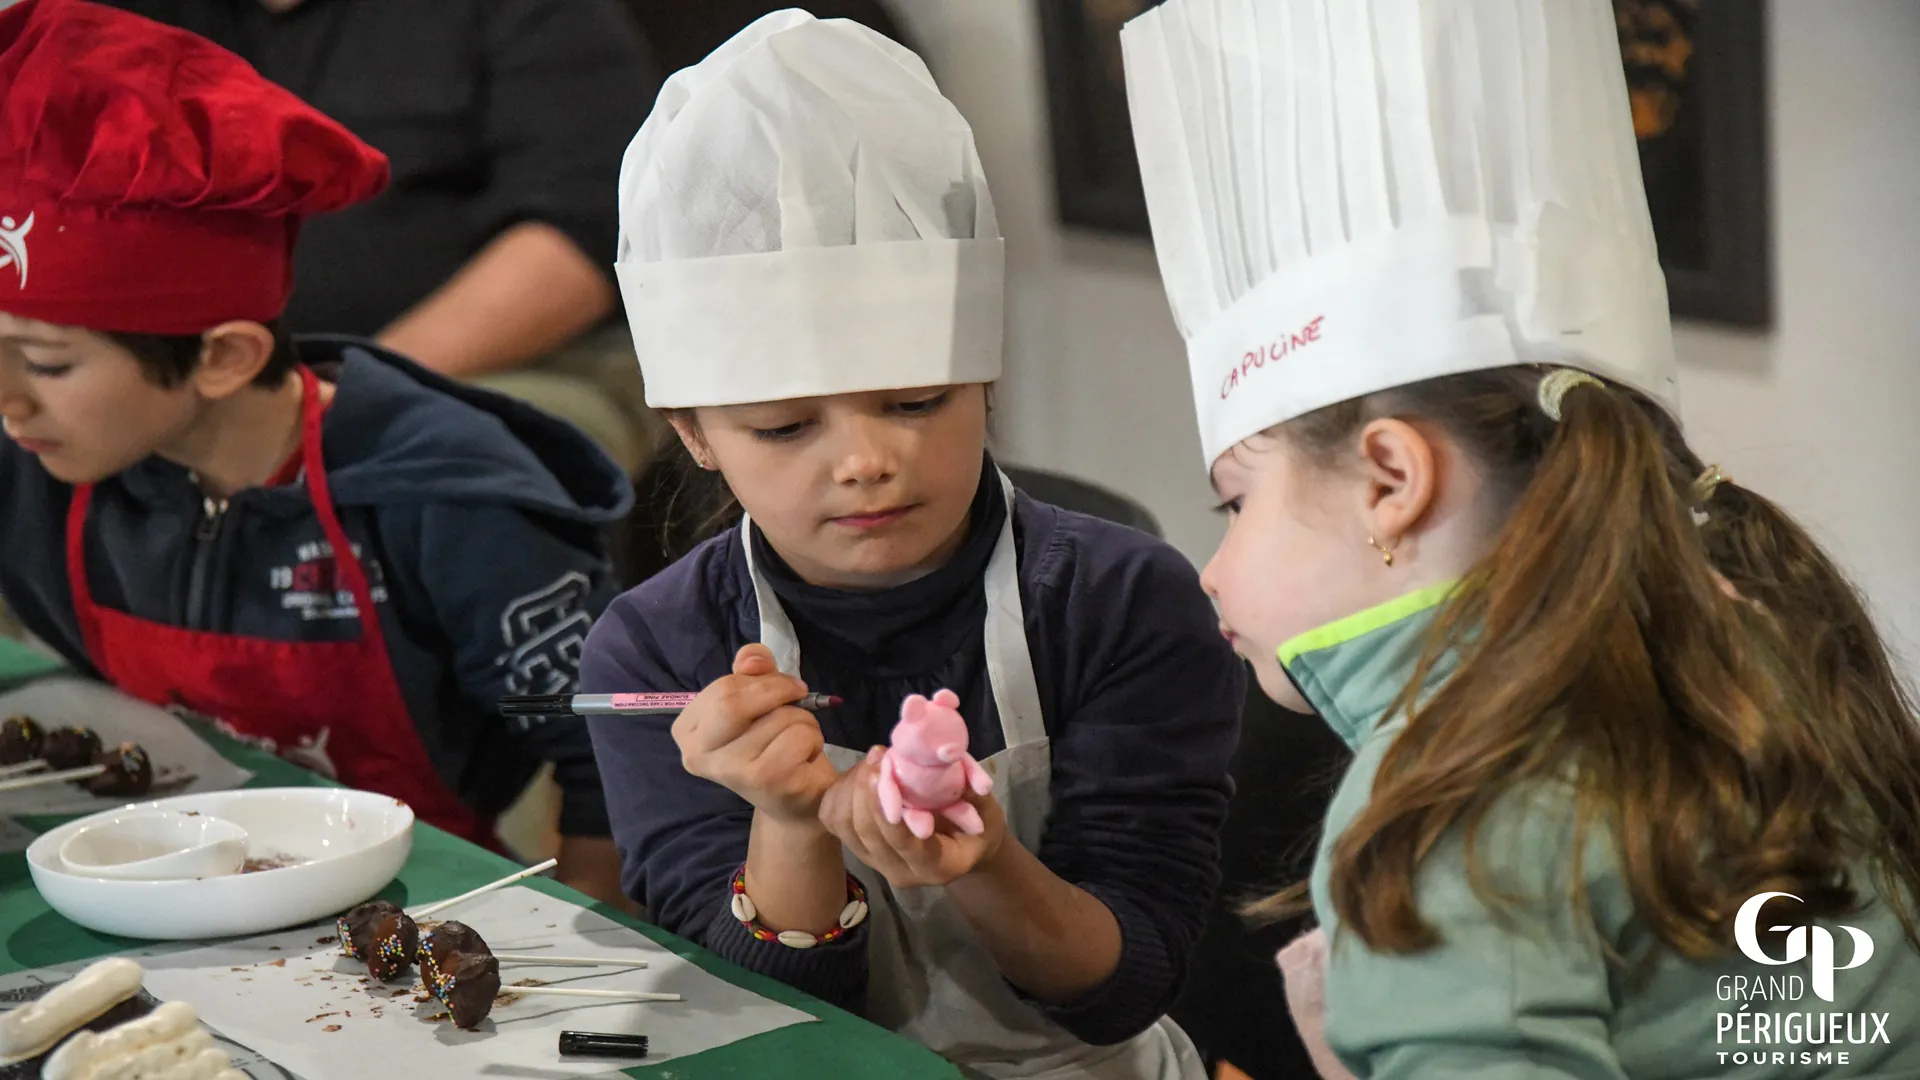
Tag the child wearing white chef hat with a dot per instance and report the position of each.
(1613, 714)
(813, 271)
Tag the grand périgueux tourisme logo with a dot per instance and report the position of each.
(1764, 1022)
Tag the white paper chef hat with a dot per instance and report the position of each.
(1348, 197)
(804, 214)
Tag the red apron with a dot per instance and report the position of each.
(300, 698)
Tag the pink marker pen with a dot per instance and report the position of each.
(623, 704)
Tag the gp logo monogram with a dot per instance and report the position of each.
(1803, 943)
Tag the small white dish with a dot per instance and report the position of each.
(311, 853)
(156, 845)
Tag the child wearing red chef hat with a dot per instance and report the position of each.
(328, 549)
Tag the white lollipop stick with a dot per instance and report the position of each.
(22, 768)
(567, 961)
(481, 891)
(605, 995)
(85, 773)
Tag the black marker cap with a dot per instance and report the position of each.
(602, 1044)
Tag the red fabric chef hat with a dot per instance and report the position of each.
(151, 181)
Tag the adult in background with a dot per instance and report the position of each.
(490, 258)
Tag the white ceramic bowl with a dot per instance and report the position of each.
(155, 845)
(336, 848)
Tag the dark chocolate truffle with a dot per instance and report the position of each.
(70, 748)
(395, 940)
(129, 772)
(460, 970)
(452, 937)
(356, 927)
(20, 740)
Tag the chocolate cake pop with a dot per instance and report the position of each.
(128, 771)
(70, 748)
(380, 934)
(461, 971)
(21, 738)
(356, 927)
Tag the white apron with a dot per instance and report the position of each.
(929, 978)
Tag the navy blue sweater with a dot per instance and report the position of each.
(1140, 693)
(479, 523)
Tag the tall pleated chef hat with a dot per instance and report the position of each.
(804, 214)
(1348, 197)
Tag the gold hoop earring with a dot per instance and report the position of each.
(1386, 553)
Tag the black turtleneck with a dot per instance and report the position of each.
(874, 647)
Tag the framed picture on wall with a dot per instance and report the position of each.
(1696, 76)
(1096, 177)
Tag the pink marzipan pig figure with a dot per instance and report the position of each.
(927, 769)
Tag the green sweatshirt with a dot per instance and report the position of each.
(1537, 997)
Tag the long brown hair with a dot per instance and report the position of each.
(1729, 740)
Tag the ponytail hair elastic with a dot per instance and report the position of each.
(1555, 385)
(1708, 482)
(1704, 486)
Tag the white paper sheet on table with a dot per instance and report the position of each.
(177, 752)
(283, 1003)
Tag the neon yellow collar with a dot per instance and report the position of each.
(1351, 670)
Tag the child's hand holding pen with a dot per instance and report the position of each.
(744, 733)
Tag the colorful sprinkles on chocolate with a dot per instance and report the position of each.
(392, 950)
(395, 940)
(129, 771)
(345, 934)
(440, 983)
(430, 972)
(362, 928)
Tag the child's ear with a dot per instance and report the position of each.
(232, 355)
(1402, 473)
(689, 432)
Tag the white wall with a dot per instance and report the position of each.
(1822, 413)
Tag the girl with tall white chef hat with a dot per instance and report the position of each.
(812, 267)
(1636, 792)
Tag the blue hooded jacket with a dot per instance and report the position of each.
(479, 520)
